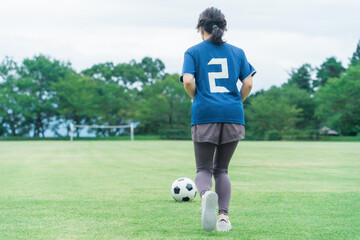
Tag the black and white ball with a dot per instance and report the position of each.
(183, 190)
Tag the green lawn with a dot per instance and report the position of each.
(121, 190)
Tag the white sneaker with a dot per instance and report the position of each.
(208, 210)
(223, 224)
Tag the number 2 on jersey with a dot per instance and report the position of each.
(214, 75)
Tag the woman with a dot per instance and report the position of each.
(210, 74)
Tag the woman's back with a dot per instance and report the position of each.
(217, 69)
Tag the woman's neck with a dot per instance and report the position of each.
(205, 36)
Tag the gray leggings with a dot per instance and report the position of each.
(214, 160)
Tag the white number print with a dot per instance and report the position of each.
(214, 75)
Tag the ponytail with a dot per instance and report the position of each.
(216, 35)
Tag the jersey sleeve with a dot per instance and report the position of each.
(246, 69)
(188, 66)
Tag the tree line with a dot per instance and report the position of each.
(42, 94)
(313, 97)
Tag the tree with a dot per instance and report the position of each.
(339, 102)
(112, 105)
(355, 60)
(103, 71)
(130, 75)
(301, 77)
(15, 105)
(304, 102)
(38, 76)
(88, 101)
(271, 111)
(331, 68)
(10, 117)
(75, 97)
(126, 74)
(154, 69)
(163, 105)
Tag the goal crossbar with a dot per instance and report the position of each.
(73, 126)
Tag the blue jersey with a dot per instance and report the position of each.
(216, 70)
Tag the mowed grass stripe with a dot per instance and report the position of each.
(121, 190)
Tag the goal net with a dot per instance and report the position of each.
(73, 127)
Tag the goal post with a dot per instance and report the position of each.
(73, 126)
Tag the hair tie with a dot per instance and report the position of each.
(215, 26)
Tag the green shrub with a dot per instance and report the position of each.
(297, 134)
(272, 135)
(175, 134)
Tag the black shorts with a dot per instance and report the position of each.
(217, 133)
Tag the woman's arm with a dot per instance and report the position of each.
(189, 85)
(246, 87)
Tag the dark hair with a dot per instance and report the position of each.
(213, 21)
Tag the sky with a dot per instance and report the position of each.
(276, 35)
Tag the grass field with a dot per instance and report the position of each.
(121, 190)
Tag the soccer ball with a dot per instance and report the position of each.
(183, 190)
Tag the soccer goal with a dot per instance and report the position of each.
(73, 126)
